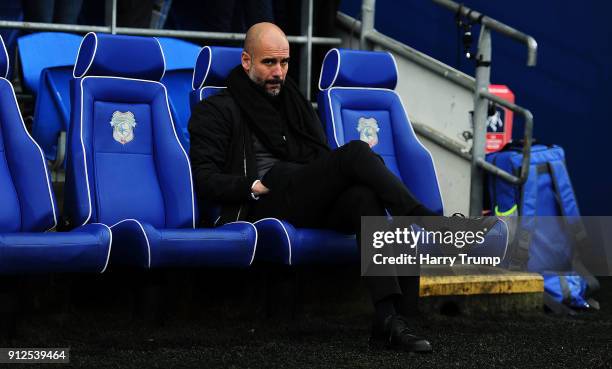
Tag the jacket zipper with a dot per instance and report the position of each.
(245, 174)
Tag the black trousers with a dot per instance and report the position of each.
(334, 192)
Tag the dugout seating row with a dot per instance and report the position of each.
(47, 63)
(129, 192)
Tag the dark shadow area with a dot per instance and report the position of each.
(275, 317)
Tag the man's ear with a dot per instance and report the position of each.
(245, 60)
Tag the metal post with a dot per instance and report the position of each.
(367, 23)
(306, 49)
(114, 18)
(111, 15)
(483, 74)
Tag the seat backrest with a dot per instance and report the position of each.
(52, 109)
(124, 156)
(212, 68)
(180, 58)
(38, 51)
(357, 101)
(26, 197)
(47, 60)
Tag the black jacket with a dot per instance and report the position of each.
(222, 158)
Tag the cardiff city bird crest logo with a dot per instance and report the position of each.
(368, 130)
(123, 126)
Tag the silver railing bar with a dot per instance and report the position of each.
(427, 62)
(156, 32)
(442, 140)
(492, 24)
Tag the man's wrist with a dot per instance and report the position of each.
(255, 197)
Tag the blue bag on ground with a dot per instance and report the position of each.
(548, 247)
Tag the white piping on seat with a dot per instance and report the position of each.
(284, 229)
(337, 69)
(143, 232)
(92, 56)
(205, 87)
(396, 70)
(8, 61)
(207, 68)
(42, 156)
(173, 130)
(161, 50)
(110, 243)
(256, 236)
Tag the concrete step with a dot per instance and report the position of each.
(469, 291)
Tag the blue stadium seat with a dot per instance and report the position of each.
(212, 67)
(52, 112)
(279, 241)
(126, 166)
(180, 57)
(27, 204)
(357, 101)
(38, 51)
(47, 60)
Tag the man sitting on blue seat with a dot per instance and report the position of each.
(258, 149)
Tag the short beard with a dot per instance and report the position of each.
(274, 93)
(262, 84)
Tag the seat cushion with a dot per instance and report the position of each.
(281, 242)
(84, 249)
(142, 245)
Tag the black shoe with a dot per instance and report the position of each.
(396, 335)
(458, 222)
(475, 224)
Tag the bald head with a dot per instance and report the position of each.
(265, 57)
(264, 32)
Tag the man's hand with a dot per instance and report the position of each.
(259, 189)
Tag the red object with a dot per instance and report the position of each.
(499, 125)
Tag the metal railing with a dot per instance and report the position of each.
(482, 98)
(457, 77)
(306, 39)
(492, 24)
(368, 37)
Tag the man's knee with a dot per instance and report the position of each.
(358, 147)
(353, 151)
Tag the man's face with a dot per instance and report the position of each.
(268, 62)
